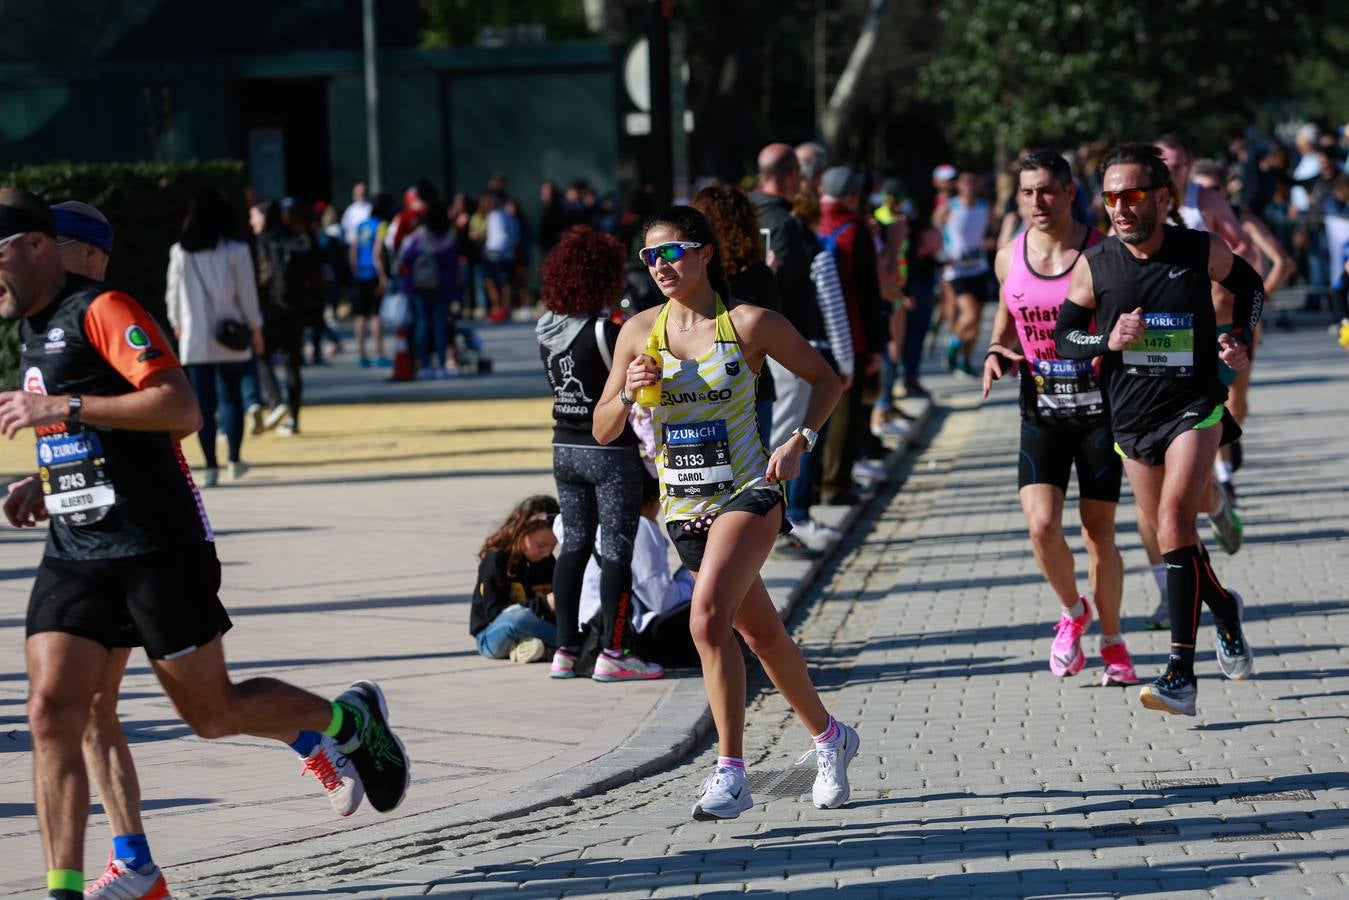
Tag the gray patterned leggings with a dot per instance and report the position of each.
(596, 486)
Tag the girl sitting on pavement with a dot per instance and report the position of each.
(512, 611)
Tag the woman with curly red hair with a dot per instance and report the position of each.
(597, 485)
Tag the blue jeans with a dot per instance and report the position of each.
(514, 625)
(889, 370)
(431, 332)
(800, 490)
(219, 390)
(919, 318)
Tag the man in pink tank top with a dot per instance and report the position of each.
(1063, 418)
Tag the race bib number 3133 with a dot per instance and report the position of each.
(698, 460)
(1166, 349)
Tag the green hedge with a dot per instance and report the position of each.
(145, 202)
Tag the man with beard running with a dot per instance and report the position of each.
(1063, 418)
(1148, 287)
(130, 556)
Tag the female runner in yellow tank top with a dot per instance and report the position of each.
(721, 487)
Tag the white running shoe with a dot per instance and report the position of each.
(529, 650)
(891, 428)
(831, 788)
(723, 795)
(119, 882)
(274, 416)
(870, 471)
(625, 668)
(337, 774)
(815, 534)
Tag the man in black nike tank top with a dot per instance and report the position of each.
(1148, 286)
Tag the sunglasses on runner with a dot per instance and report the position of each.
(668, 252)
(1132, 196)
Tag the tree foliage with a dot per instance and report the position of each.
(145, 202)
(1019, 72)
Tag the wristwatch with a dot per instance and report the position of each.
(811, 436)
(76, 404)
(624, 398)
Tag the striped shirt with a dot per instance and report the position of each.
(833, 310)
(709, 449)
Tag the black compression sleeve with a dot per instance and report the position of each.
(1249, 293)
(1071, 338)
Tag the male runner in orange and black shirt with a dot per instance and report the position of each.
(129, 548)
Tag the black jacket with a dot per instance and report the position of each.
(793, 248)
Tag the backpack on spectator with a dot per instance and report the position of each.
(829, 243)
(302, 279)
(425, 269)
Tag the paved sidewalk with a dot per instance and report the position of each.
(350, 551)
(980, 773)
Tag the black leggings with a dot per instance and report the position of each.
(288, 340)
(596, 486)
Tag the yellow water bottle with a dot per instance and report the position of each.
(1344, 334)
(649, 395)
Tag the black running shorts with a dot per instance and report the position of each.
(168, 601)
(1049, 452)
(690, 535)
(1150, 446)
(972, 284)
(366, 299)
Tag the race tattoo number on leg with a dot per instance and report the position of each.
(75, 485)
(1166, 349)
(698, 460)
(1066, 388)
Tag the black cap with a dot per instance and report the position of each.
(23, 211)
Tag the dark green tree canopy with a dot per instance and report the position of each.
(1021, 72)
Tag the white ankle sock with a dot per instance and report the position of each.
(1077, 609)
(1159, 575)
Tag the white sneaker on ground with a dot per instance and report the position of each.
(238, 469)
(723, 795)
(210, 476)
(815, 534)
(337, 774)
(254, 414)
(891, 428)
(625, 668)
(274, 416)
(288, 428)
(872, 471)
(831, 788)
(529, 650)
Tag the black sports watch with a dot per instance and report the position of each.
(76, 404)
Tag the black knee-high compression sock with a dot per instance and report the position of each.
(1182, 599)
(1213, 594)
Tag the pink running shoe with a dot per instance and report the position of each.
(1119, 668)
(564, 665)
(625, 668)
(1066, 657)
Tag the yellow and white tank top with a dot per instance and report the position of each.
(710, 450)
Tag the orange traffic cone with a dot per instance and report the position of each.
(403, 368)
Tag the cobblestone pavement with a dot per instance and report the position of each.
(979, 772)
